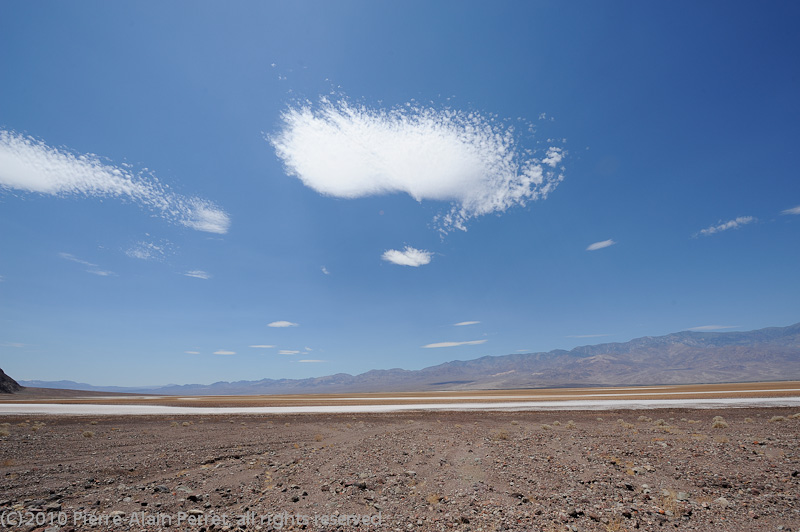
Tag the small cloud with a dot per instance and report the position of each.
(463, 323)
(408, 257)
(325, 271)
(475, 162)
(283, 324)
(147, 250)
(192, 352)
(454, 344)
(600, 245)
(101, 273)
(2, 279)
(29, 165)
(587, 335)
(724, 226)
(262, 346)
(288, 352)
(13, 344)
(223, 352)
(793, 210)
(197, 274)
(311, 361)
(713, 327)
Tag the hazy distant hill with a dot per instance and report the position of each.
(7, 384)
(679, 358)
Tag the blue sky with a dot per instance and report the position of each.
(369, 185)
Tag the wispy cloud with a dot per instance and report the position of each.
(262, 346)
(29, 165)
(143, 250)
(408, 257)
(600, 245)
(288, 352)
(724, 226)
(325, 270)
(463, 323)
(311, 361)
(192, 352)
(12, 344)
(454, 344)
(92, 268)
(224, 352)
(197, 274)
(283, 324)
(466, 158)
(793, 210)
(713, 327)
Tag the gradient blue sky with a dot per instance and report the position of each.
(177, 176)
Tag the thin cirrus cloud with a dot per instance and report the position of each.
(29, 165)
(192, 352)
(283, 324)
(311, 361)
(92, 268)
(454, 344)
(408, 257)
(463, 323)
(712, 327)
(736, 223)
(793, 210)
(288, 352)
(197, 274)
(148, 250)
(465, 158)
(224, 352)
(600, 245)
(262, 346)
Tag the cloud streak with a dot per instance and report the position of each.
(92, 268)
(408, 257)
(712, 327)
(31, 166)
(793, 210)
(464, 158)
(197, 274)
(283, 324)
(453, 344)
(600, 245)
(724, 226)
(224, 352)
(463, 323)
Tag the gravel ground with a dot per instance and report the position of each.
(459, 471)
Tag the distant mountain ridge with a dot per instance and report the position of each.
(688, 357)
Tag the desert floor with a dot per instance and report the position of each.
(607, 470)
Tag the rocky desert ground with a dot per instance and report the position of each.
(733, 469)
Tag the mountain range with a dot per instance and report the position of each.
(688, 357)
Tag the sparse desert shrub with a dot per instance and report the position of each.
(186, 424)
(93, 423)
(88, 434)
(173, 424)
(500, 435)
(659, 422)
(719, 423)
(546, 427)
(515, 422)
(645, 419)
(777, 419)
(434, 498)
(599, 419)
(5, 430)
(684, 419)
(795, 416)
(317, 437)
(748, 420)
(570, 424)
(556, 423)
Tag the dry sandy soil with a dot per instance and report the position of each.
(417, 471)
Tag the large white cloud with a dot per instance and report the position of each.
(408, 257)
(464, 158)
(30, 165)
